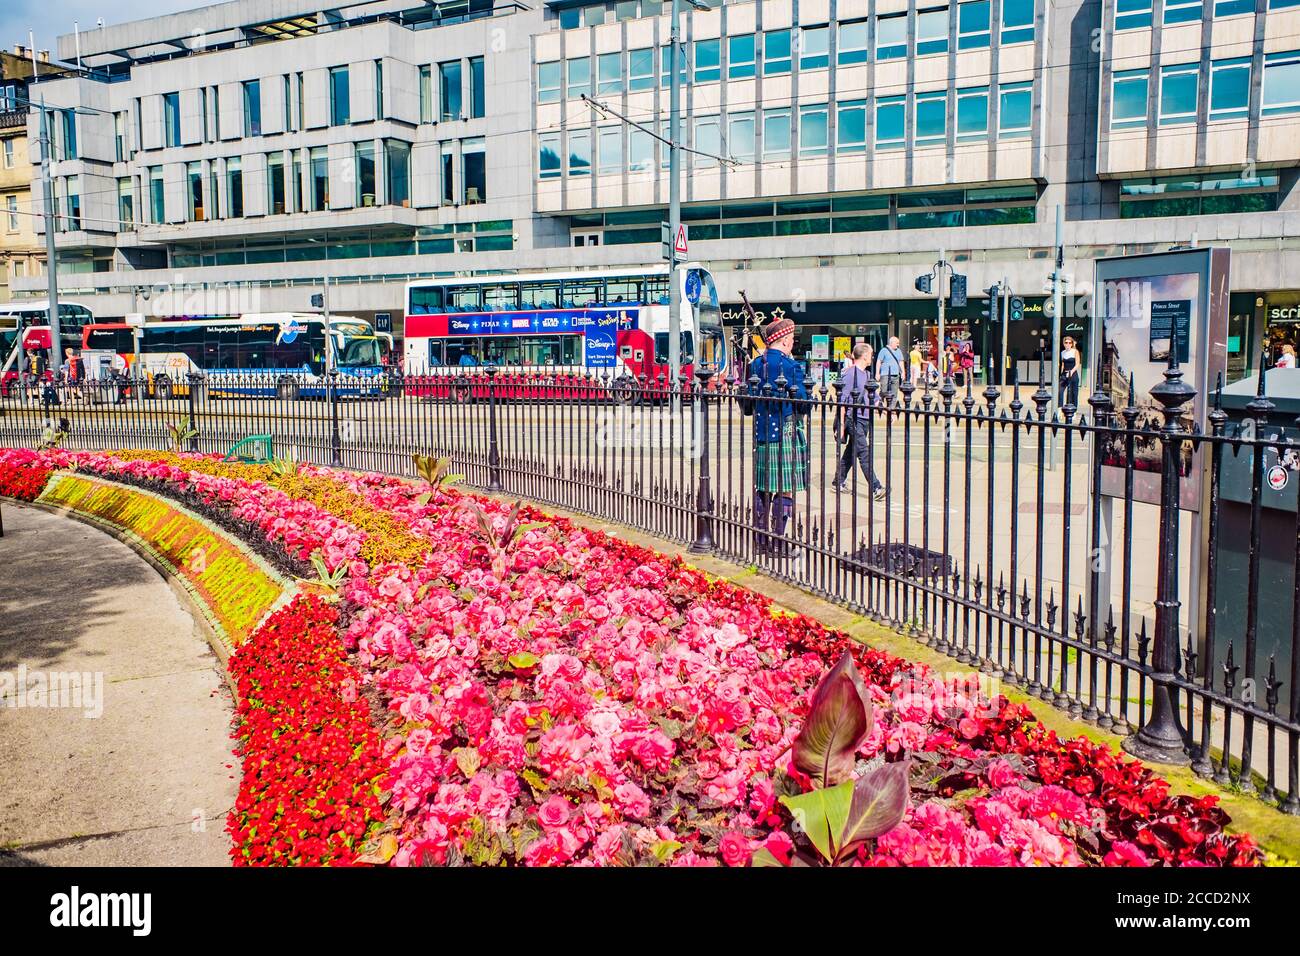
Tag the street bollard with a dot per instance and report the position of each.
(703, 543)
(194, 415)
(494, 452)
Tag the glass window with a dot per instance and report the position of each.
(852, 43)
(426, 94)
(812, 131)
(579, 152)
(379, 89)
(626, 10)
(594, 15)
(194, 180)
(1128, 101)
(473, 159)
(776, 134)
(365, 174)
(610, 141)
(1015, 110)
(776, 52)
(235, 186)
(640, 150)
(252, 108)
(609, 74)
(548, 82)
(340, 97)
(1280, 4)
(973, 25)
(1017, 21)
(665, 74)
(1133, 14)
(1281, 83)
(708, 61)
(477, 88)
(740, 56)
(932, 31)
(891, 36)
(851, 126)
(318, 162)
(157, 213)
(641, 69)
(548, 155)
(275, 191)
(449, 82)
(540, 295)
(740, 136)
(397, 165)
(447, 172)
(931, 117)
(1182, 11)
(125, 206)
(578, 80)
(973, 112)
(814, 48)
(707, 139)
(891, 122)
(286, 112)
(1231, 8)
(171, 120)
(1178, 93)
(1230, 88)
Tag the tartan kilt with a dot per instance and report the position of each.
(783, 466)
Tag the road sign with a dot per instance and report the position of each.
(673, 248)
(680, 243)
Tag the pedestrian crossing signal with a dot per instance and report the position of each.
(924, 283)
(957, 291)
(1017, 308)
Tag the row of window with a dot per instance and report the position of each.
(775, 52)
(452, 90)
(303, 183)
(1198, 195)
(1139, 14)
(466, 238)
(783, 132)
(1176, 90)
(540, 294)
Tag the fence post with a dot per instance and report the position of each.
(703, 542)
(336, 443)
(1161, 739)
(194, 415)
(494, 451)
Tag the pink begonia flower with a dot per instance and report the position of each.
(734, 848)
(633, 800)
(554, 813)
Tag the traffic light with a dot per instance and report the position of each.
(1017, 308)
(990, 310)
(957, 291)
(925, 283)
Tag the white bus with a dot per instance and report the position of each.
(25, 326)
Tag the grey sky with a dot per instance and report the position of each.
(48, 19)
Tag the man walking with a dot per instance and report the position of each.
(855, 416)
(780, 442)
(889, 370)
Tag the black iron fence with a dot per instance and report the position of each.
(1133, 571)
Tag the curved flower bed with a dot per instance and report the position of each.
(23, 474)
(545, 694)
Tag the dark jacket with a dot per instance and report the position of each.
(854, 395)
(770, 414)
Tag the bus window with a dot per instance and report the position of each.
(465, 352)
(426, 301)
(623, 290)
(465, 299)
(501, 298)
(661, 348)
(579, 293)
(541, 295)
(656, 290)
(550, 350)
(120, 341)
(435, 352)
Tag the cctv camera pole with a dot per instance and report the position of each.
(51, 256)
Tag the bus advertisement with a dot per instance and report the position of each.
(283, 354)
(558, 329)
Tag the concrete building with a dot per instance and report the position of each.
(238, 154)
(22, 249)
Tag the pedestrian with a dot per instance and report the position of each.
(1287, 358)
(780, 439)
(855, 419)
(1068, 390)
(916, 360)
(889, 370)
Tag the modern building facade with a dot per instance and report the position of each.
(233, 158)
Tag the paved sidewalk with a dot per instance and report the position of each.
(150, 780)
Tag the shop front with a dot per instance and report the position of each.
(825, 332)
(1280, 312)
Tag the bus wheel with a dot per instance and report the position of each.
(286, 391)
(626, 391)
(162, 388)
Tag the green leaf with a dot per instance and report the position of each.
(878, 804)
(839, 719)
(821, 814)
(524, 660)
(468, 759)
(664, 850)
(763, 857)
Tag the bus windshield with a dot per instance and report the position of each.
(358, 352)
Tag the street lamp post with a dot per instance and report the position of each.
(674, 193)
(51, 256)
